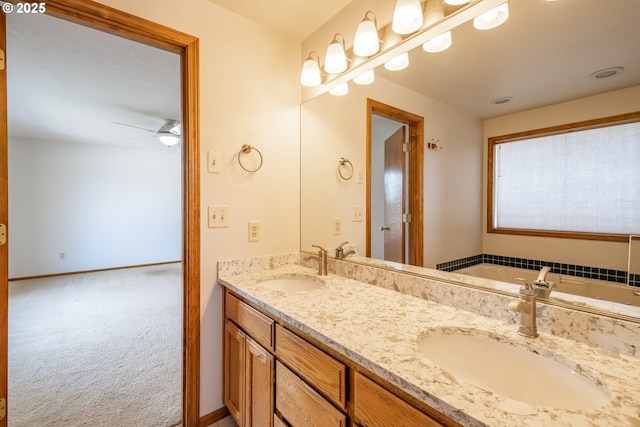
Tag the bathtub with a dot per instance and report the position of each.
(598, 289)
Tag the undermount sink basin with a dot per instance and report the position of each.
(513, 372)
(292, 284)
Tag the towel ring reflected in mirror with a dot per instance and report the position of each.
(342, 164)
(246, 149)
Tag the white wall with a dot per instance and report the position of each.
(334, 127)
(249, 93)
(612, 255)
(101, 206)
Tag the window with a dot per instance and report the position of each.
(579, 181)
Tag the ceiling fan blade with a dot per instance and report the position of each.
(132, 126)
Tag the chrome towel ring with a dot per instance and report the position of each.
(342, 163)
(246, 149)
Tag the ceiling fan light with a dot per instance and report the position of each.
(456, 2)
(310, 75)
(340, 90)
(438, 44)
(367, 42)
(365, 78)
(398, 63)
(168, 139)
(407, 16)
(335, 60)
(492, 18)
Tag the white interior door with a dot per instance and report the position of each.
(4, 216)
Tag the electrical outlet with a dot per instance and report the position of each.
(254, 231)
(337, 226)
(213, 161)
(218, 216)
(357, 214)
(62, 255)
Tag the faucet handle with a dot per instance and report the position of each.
(322, 250)
(339, 248)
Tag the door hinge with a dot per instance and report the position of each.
(3, 234)
(1, 59)
(406, 147)
(3, 408)
(406, 217)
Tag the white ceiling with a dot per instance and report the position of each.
(71, 83)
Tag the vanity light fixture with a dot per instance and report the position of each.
(311, 75)
(434, 13)
(335, 60)
(407, 16)
(365, 78)
(340, 90)
(398, 63)
(367, 42)
(493, 18)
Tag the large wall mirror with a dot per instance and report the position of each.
(544, 61)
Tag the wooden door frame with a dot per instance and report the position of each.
(113, 21)
(416, 167)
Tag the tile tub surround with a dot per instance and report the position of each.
(378, 328)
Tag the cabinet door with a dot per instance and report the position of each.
(234, 371)
(258, 386)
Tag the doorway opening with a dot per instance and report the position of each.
(395, 159)
(88, 13)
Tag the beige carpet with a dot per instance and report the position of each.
(97, 349)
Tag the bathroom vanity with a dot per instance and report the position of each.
(308, 350)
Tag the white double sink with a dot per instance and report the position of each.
(491, 362)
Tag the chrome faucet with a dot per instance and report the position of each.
(526, 306)
(543, 287)
(322, 260)
(341, 254)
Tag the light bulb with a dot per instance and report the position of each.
(340, 90)
(310, 75)
(492, 18)
(335, 60)
(365, 78)
(366, 42)
(398, 63)
(438, 44)
(407, 16)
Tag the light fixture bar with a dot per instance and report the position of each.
(411, 41)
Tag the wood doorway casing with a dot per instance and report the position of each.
(415, 124)
(104, 18)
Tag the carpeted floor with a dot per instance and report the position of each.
(96, 349)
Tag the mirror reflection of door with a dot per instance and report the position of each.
(393, 229)
(394, 184)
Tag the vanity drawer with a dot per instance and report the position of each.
(375, 406)
(319, 369)
(300, 405)
(254, 323)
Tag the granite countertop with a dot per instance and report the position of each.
(379, 329)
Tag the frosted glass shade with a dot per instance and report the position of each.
(310, 75)
(335, 60)
(456, 2)
(438, 44)
(366, 42)
(398, 63)
(365, 78)
(168, 139)
(407, 16)
(340, 90)
(492, 18)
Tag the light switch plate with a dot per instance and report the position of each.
(218, 216)
(213, 161)
(357, 214)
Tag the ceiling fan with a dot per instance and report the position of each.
(169, 133)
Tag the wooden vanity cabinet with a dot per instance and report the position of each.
(274, 377)
(249, 369)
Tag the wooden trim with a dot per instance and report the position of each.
(214, 417)
(70, 273)
(4, 219)
(416, 177)
(553, 130)
(113, 21)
